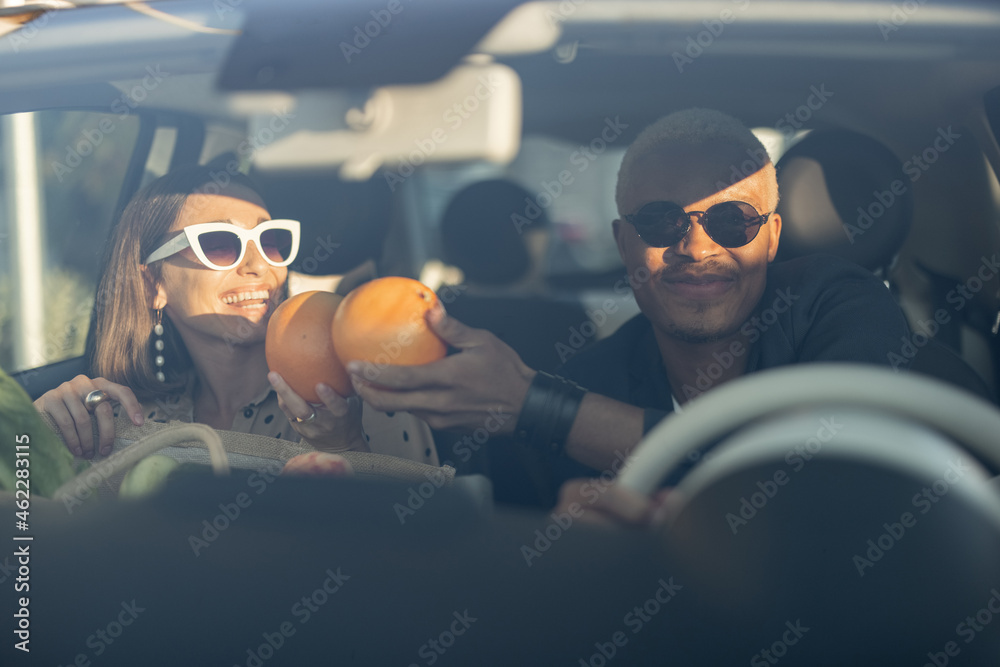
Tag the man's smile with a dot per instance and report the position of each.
(699, 285)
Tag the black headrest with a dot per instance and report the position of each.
(344, 223)
(845, 194)
(482, 231)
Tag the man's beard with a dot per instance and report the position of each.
(696, 332)
(696, 335)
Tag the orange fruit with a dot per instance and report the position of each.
(383, 322)
(298, 345)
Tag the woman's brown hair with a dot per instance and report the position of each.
(120, 346)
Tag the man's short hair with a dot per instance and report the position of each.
(689, 126)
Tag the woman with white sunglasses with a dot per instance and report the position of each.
(191, 277)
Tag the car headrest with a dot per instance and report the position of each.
(845, 194)
(344, 223)
(482, 231)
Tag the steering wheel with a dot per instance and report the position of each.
(888, 514)
(683, 437)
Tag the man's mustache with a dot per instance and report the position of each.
(702, 273)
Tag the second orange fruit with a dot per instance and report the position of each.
(383, 322)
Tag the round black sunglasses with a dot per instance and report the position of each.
(731, 224)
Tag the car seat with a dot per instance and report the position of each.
(844, 193)
(484, 233)
(830, 184)
(344, 224)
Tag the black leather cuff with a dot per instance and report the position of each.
(548, 413)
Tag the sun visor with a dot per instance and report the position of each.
(302, 44)
(473, 113)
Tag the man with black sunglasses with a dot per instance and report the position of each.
(699, 255)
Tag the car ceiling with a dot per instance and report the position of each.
(757, 72)
(898, 90)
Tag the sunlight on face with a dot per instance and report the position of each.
(234, 304)
(696, 290)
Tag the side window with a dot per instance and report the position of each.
(61, 173)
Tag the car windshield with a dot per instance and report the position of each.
(782, 446)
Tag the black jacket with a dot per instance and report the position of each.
(817, 308)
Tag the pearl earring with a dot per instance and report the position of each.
(158, 345)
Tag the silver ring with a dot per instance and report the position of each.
(95, 398)
(307, 419)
